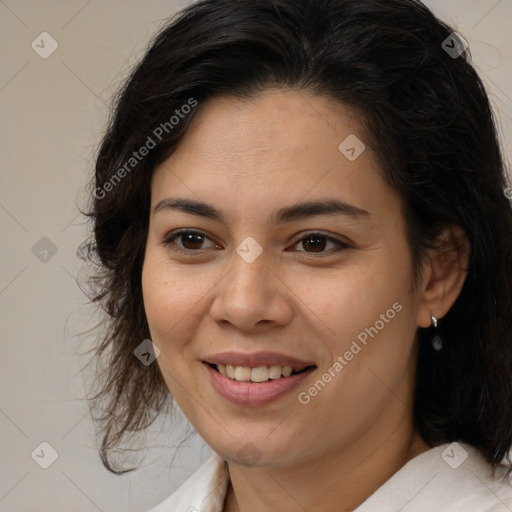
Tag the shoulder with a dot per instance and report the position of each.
(204, 491)
(453, 477)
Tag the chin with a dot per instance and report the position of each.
(259, 451)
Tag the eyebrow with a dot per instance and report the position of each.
(286, 214)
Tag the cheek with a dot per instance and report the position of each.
(165, 308)
(371, 305)
(153, 286)
(162, 302)
(173, 298)
(360, 295)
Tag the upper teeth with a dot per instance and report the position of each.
(258, 374)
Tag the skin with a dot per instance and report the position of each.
(249, 158)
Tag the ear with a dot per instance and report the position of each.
(444, 273)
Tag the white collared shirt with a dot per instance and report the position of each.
(448, 478)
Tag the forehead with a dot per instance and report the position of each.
(278, 146)
(275, 118)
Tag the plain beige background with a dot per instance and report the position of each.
(54, 111)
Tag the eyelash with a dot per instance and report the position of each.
(169, 241)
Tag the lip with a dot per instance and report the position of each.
(252, 394)
(257, 359)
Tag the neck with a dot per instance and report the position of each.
(337, 481)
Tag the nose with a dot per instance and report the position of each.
(251, 296)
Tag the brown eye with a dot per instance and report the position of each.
(317, 243)
(191, 241)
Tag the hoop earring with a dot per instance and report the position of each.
(437, 342)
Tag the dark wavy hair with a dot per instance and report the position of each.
(426, 115)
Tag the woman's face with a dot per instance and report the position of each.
(270, 282)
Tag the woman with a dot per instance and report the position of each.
(299, 212)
